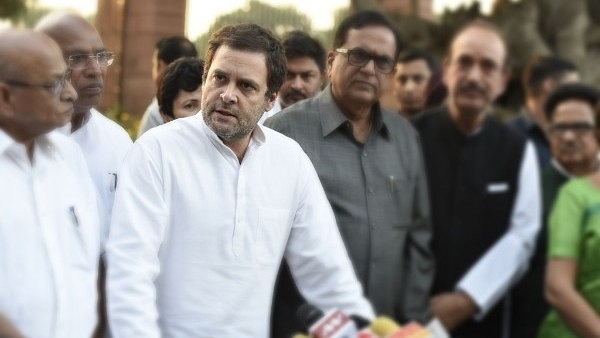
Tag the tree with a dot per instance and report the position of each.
(277, 19)
(12, 9)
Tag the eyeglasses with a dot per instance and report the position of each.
(55, 88)
(80, 61)
(359, 58)
(579, 129)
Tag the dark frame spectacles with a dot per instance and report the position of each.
(55, 88)
(359, 57)
(81, 61)
(579, 128)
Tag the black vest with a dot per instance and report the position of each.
(473, 181)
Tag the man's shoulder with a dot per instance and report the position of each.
(428, 118)
(301, 118)
(65, 147)
(110, 129)
(509, 132)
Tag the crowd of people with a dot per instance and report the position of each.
(270, 174)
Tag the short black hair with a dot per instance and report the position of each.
(571, 91)
(174, 47)
(253, 38)
(541, 68)
(365, 18)
(299, 44)
(184, 73)
(418, 54)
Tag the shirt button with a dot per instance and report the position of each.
(370, 190)
(364, 154)
(373, 226)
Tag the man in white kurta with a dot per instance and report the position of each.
(104, 143)
(49, 238)
(208, 205)
(49, 227)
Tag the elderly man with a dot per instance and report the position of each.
(305, 71)
(104, 142)
(411, 79)
(371, 166)
(571, 115)
(209, 204)
(49, 228)
(484, 183)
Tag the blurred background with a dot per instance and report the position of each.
(568, 28)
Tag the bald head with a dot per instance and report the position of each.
(78, 38)
(65, 27)
(19, 46)
(34, 96)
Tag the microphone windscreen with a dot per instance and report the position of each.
(308, 314)
(300, 335)
(384, 326)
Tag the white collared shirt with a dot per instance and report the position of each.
(104, 144)
(197, 238)
(49, 238)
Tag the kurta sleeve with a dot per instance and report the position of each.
(505, 262)
(137, 231)
(316, 254)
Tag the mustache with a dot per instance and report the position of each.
(472, 86)
(570, 146)
(294, 93)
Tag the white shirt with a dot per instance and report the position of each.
(151, 118)
(104, 144)
(276, 109)
(197, 238)
(488, 280)
(49, 238)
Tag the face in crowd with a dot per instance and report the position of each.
(87, 59)
(303, 80)
(475, 70)
(410, 85)
(362, 67)
(36, 97)
(244, 68)
(573, 137)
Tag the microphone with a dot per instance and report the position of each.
(387, 328)
(333, 324)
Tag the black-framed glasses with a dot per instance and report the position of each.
(80, 61)
(55, 87)
(359, 57)
(578, 128)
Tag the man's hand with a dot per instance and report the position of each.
(453, 308)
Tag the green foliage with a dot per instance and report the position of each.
(12, 9)
(129, 122)
(277, 19)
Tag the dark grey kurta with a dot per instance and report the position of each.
(379, 195)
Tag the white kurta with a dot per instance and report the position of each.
(49, 238)
(104, 144)
(196, 237)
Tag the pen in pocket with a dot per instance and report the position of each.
(392, 183)
(74, 216)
